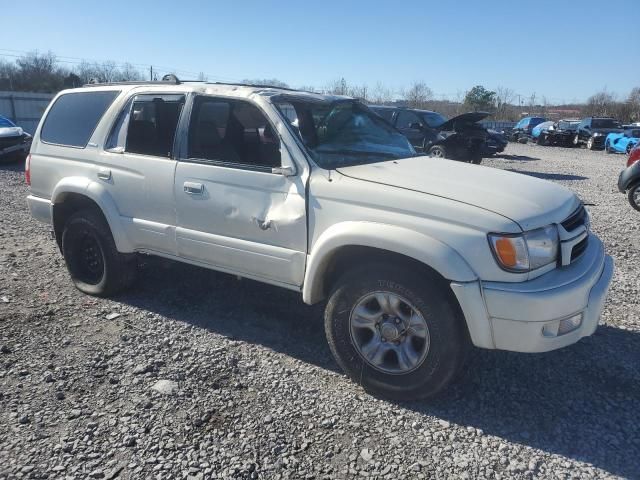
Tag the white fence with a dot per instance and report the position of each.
(24, 108)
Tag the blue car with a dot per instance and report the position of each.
(622, 142)
(538, 129)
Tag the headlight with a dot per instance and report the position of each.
(597, 134)
(527, 251)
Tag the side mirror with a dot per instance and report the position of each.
(415, 126)
(284, 171)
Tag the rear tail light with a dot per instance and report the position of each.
(634, 155)
(27, 170)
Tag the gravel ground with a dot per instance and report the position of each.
(194, 374)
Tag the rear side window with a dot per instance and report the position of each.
(74, 116)
(147, 125)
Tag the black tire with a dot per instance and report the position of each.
(591, 144)
(438, 151)
(94, 264)
(633, 195)
(542, 140)
(448, 343)
(607, 148)
(476, 159)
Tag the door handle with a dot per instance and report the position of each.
(191, 188)
(104, 174)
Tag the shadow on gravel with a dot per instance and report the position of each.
(580, 402)
(549, 176)
(12, 166)
(525, 158)
(245, 310)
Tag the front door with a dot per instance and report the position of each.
(411, 127)
(233, 212)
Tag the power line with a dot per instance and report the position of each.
(78, 61)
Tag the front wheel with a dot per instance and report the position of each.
(438, 151)
(95, 265)
(607, 147)
(590, 144)
(576, 140)
(395, 331)
(634, 196)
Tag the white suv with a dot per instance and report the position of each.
(417, 258)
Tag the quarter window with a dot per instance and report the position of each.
(233, 132)
(74, 116)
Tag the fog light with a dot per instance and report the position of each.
(562, 327)
(569, 324)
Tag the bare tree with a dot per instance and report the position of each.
(338, 87)
(601, 104)
(381, 94)
(504, 98)
(634, 104)
(361, 93)
(418, 95)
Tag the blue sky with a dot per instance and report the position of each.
(563, 50)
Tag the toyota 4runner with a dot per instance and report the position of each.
(417, 258)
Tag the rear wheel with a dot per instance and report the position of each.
(629, 148)
(607, 147)
(95, 265)
(395, 331)
(634, 196)
(438, 151)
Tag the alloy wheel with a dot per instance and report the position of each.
(389, 333)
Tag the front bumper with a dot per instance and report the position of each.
(519, 316)
(598, 141)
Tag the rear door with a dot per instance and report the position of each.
(137, 168)
(234, 211)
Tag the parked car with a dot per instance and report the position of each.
(629, 179)
(537, 130)
(622, 142)
(560, 133)
(522, 130)
(460, 138)
(496, 143)
(417, 259)
(14, 142)
(592, 131)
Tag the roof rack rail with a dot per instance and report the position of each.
(169, 78)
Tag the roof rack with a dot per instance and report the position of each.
(171, 79)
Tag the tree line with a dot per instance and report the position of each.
(42, 72)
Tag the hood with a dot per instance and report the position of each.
(528, 201)
(10, 131)
(604, 131)
(464, 119)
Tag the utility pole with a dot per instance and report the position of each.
(151, 73)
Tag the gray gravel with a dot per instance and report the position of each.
(194, 374)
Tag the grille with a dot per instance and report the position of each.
(576, 219)
(579, 248)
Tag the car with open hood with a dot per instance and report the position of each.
(459, 138)
(14, 141)
(559, 133)
(415, 259)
